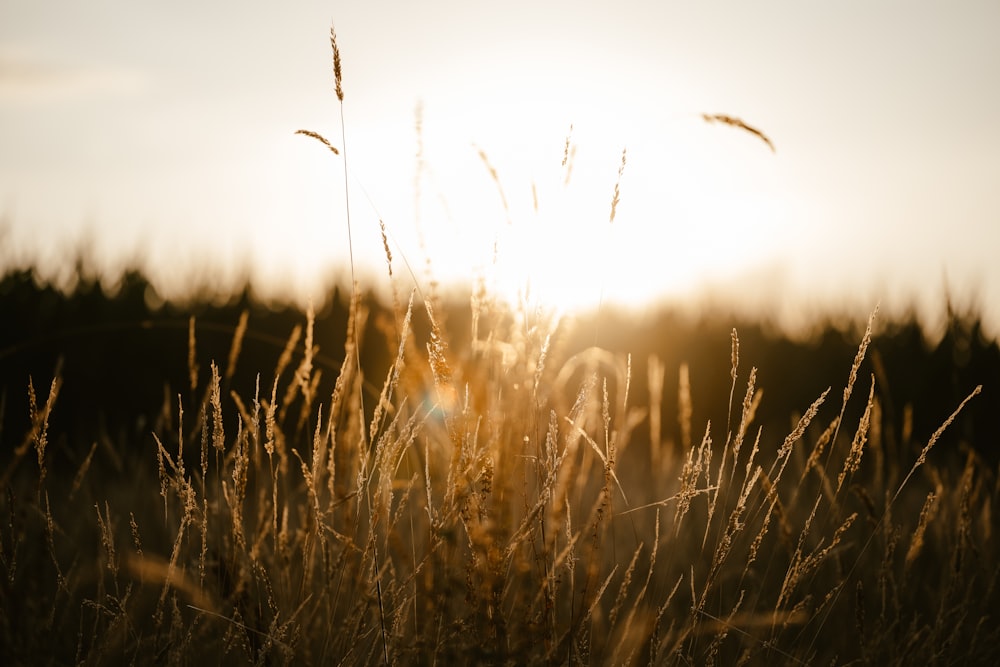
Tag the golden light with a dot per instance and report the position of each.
(698, 205)
(507, 182)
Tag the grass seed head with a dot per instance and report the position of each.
(338, 76)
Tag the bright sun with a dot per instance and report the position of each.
(529, 211)
(702, 209)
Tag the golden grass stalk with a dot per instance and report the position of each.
(37, 435)
(286, 355)
(320, 138)
(338, 76)
(568, 157)
(236, 345)
(655, 372)
(927, 513)
(922, 458)
(696, 463)
(82, 471)
(495, 177)
(616, 199)
(751, 400)
(853, 461)
(732, 121)
(569, 138)
(192, 356)
(218, 426)
(852, 377)
(684, 407)
(734, 364)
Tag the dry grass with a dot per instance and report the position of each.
(732, 121)
(495, 499)
(485, 495)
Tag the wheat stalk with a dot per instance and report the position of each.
(732, 121)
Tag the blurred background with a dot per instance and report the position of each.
(150, 170)
(489, 140)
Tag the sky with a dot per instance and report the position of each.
(488, 138)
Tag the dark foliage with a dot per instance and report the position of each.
(123, 362)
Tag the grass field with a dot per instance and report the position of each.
(475, 485)
(499, 496)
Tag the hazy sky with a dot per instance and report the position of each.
(165, 130)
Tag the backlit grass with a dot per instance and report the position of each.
(498, 496)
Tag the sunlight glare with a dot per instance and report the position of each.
(693, 210)
(698, 205)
